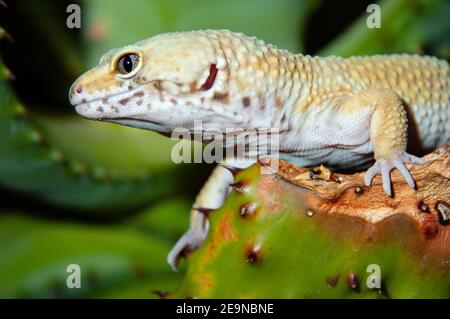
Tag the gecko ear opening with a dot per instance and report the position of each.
(211, 78)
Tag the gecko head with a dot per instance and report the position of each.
(162, 83)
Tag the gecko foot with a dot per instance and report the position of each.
(188, 242)
(383, 166)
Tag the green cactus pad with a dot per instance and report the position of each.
(115, 261)
(266, 243)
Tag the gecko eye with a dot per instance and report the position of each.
(127, 63)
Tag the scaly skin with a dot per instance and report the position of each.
(331, 110)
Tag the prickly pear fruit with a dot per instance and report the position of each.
(303, 233)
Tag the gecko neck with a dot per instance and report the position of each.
(292, 93)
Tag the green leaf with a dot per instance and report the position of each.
(114, 260)
(129, 151)
(114, 24)
(406, 26)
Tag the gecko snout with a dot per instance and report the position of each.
(75, 93)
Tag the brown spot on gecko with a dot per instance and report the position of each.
(124, 101)
(130, 87)
(149, 106)
(138, 94)
(202, 99)
(222, 97)
(157, 85)
(139, 102)
(246, 101)
(174, 102)
(189, 103)
(115, 109)
(83, 100)
(278, 101)
(105, 100)
(193, 86)
(100, 109)
(144, 79)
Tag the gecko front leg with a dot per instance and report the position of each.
(388, 134)
(211, 197)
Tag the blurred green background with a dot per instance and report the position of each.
(107, 197)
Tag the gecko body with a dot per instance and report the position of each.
(342, 112)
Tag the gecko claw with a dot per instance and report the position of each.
(179, 250)
(187, 243)
(384, 166)
(191, 239)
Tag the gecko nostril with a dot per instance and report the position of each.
(79, 89)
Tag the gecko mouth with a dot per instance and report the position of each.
(139, 123)
(126, 119)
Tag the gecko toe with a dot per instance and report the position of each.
(385, 176)
(405, 172)
(370, 174)
(408, 158)
(383, 166)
